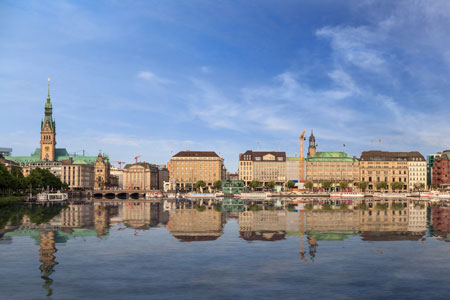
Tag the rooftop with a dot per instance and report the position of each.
(330, 156)
(189, 153)
(376, 155)
(263, 156)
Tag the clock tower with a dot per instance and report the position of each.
(48, 132)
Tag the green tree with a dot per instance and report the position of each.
(309, 185)
(290, 184)
(43, 178)
(396, 186)
(362, 185)
(217, 185)
(254, 184)
(419, 186)
(343, 185)
(381, 185)
(6, 180)
(326, 185)
(200, 184)
(270, 185)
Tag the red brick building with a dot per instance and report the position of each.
(441, 170)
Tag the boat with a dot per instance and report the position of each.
(52, 197)
(347, 195)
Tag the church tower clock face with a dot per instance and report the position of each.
(46, 148)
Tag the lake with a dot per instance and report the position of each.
(237, 249)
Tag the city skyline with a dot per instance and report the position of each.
(153, 79)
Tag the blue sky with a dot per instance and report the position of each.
(152, 78)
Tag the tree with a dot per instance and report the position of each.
(343, 185)
(217, 184)
(5, 179)
(290, 184)
(39, 178)
(18, 182)
(396, 185)
(270, 185)
(200, 184)
(309, 185)
(326, 185)
(254, 184)
(381, 185)
(419, 186)
(362, 185)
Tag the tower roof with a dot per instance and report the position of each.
(48, 117)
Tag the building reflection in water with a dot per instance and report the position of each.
(440, 220)
(265, 225)
(193, 224)
(140, 215)
(47, 258)
(373, 220)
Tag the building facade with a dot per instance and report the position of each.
(163, 176)
(140, 176)
(188, 167)
(417, 173)
(118, 175)
(335, 167)
(389, 167)
(263, 167)
(101, 171)
(441, 170)
(78, 174)
(293, 169)
(430, 164)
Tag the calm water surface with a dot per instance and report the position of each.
(167, 250)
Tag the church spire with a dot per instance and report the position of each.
(48, 104)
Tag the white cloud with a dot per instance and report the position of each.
(205, 69)
(353, 45)
(153, 78)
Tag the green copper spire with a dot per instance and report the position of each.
(48, 104)
(48, 111)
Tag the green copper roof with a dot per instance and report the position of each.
(331, 235)
(330, 156)
(291, 158)
(60, 155)
(48, 114)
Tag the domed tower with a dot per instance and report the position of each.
(48, 132)
(312, 145)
